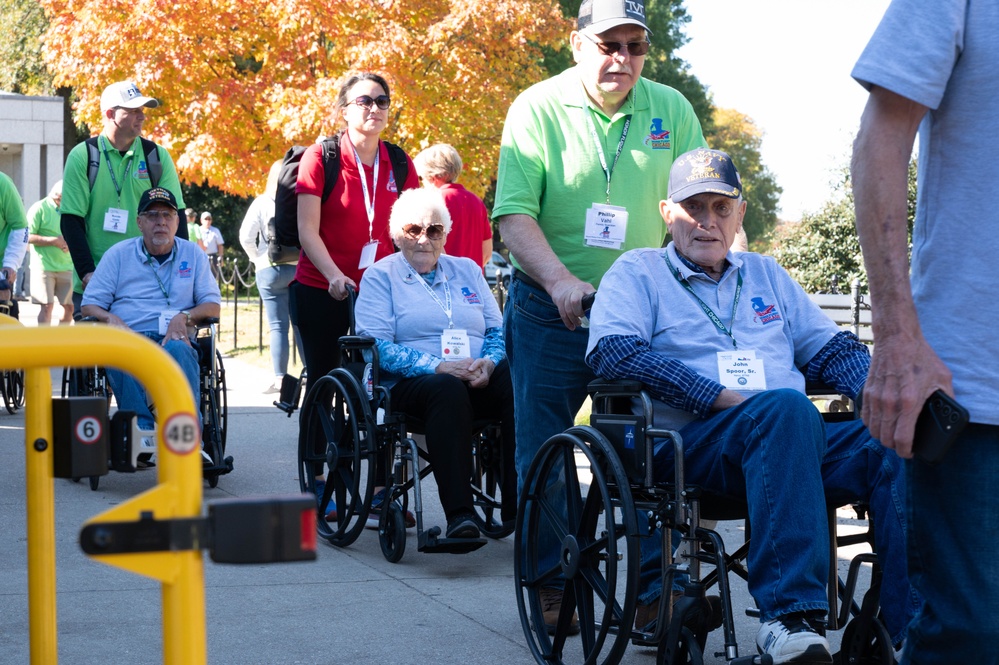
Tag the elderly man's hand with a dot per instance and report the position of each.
(904, 373)
(482, 368)
(177, 330)
(567, 294)
(116, 322)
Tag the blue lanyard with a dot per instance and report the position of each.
(608, 172)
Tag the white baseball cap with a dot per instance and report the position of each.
(126, 95)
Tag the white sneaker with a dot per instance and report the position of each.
(148, 442)
(790, 639)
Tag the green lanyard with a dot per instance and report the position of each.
(608, 170)
(114, 178)
(704, 306)
(153, 264)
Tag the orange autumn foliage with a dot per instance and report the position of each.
(241, 80)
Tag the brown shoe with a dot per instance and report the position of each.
(551, 605)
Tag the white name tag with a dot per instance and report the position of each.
(368, 254)
(741, 370)
(605, 226)
(166, 316)
(454, 344)
(116, 220)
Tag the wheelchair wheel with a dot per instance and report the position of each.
(487, 470)
(222, 398)
(577, 493)
(689, 651)
(212, 425)
(14, 380)
(392, 532)
(336, 411)
(8, 401)
(866, 647)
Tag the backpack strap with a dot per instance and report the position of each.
(93, 160)
(153, 163)
(149, 148)
(400, 165)
(331, 164)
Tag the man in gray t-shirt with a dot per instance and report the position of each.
(725, 343)
(934, 67)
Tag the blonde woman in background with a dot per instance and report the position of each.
(272, 279)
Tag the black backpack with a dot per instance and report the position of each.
(282, 229)
(153, 163)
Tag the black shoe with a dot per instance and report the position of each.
(462, 526)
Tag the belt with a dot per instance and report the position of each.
(522, 276)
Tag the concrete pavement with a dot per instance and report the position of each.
(349, 607)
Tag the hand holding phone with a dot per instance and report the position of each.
(938, 426)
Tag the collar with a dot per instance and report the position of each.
(570, 83)
(680, 262)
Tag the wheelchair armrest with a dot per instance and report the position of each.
(207, 321)
(356, 343)
(88, 319)
(614, 387)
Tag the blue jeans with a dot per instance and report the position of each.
(273, 284)
(775, 453)
(130, 394)
(549, 379)
(954, 517)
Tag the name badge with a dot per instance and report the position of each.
(116, 220)
(454, 344)
(605, 226)
(741, 370)
(368, 254)
(166, 316)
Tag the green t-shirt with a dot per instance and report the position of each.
(11, 212)
(550, 169)
(121, 180)
(193, 231)
(43, 220)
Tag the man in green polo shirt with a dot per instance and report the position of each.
(51, 265)
(13, 239)
(584, 162)
(95, 217)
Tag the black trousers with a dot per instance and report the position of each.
(448, 407)
(321, 322)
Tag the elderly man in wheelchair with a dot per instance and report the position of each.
(717, 339)
(156, 285)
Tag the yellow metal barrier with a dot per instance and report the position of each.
(178, 494)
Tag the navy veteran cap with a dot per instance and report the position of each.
(156, 195)
(598, 16)
(703, 171)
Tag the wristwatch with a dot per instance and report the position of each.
(187, 313)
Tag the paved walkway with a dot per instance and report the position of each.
(349, 607)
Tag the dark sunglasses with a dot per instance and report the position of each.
(613, 48)
(434, 231)
(381, 101)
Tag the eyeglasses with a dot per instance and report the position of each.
(434, 231)
(613, 48)
(154, 215)
(365, 101)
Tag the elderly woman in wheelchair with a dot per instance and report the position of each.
(438, 333)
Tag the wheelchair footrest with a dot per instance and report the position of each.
(432, 544)
(221, 469)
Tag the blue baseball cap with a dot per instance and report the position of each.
(703, 171)
(598, 16)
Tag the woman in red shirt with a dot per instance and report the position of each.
(349, 231)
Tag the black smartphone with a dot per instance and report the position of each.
(937, 427)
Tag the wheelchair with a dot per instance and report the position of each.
(587, 487)
(366, 444)
(11, 380)
(126, 436)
